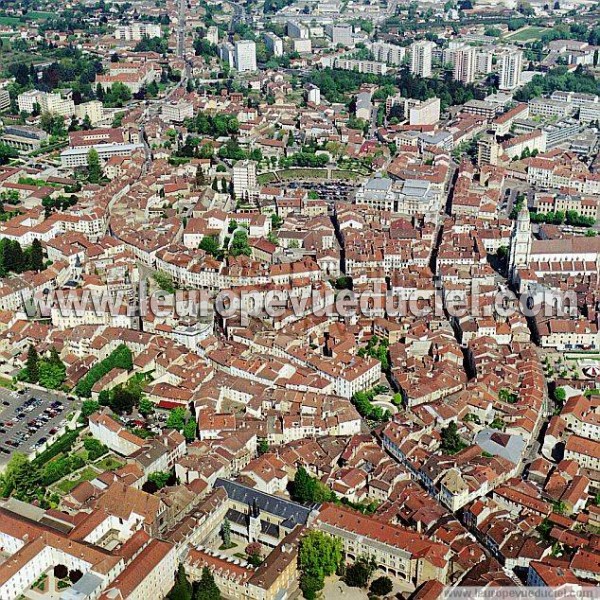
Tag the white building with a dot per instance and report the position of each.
(342, 34)
(464, 64)
(177, 112)
(78, 157)
(137, 31)
(420, 58)
(511, 65)
(93, 110)
(273, 43)
(388, 53)
(297, 31)
(244, 178)
(425, 113)
(245, 55)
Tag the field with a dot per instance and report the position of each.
(526, 34)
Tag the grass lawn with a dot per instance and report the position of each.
(86, 474)
(526, 34)
(110, 463)
(10, 21)
(345, 174)
(266, 178)
(6, 383)
(303, 174)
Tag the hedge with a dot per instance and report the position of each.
(119, 358)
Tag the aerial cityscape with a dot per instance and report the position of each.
(299, 299)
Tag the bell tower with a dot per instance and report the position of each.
(520, 244)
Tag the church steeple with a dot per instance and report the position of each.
(520, 243)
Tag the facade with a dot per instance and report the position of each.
(511, 65)
(78, 157)
(425, 113)
(244, 178)
(297, 31)
(273, 43)
(420, 58)
(342, 34)
(136, 31)
(177, 112)
(245, 55)
(464, 64)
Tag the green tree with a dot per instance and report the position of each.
(145, 407)
(206, 588)
(263, 447)
(182, 590)
(36, 256)
(189, 430)
(159, 479)
(226, 533)
(94, 167)
(382, 586)
(123, 401)
(176, 419)
(210, 245)
(32, 365)
(94, 448)
(359, 573)
(89, 407)
(21, 477)
(320, 555)
(451, 442)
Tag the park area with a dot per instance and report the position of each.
(526, 34)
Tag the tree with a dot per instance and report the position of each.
(320, 555)
(226, 533)
(382, 586)
(176, 419)
(189, 430)
(159, 479)
(94, 167)
(32, 365)
(358, 574)
(36, 256)
(210, 245)
(263, 447)
(21, 477)
(451, 442)
(560, 395)
(182, 590)
(123, 400)
(94, 448)
(206, 588)
(145, 407)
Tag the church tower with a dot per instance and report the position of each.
(254, 526)
(520, 244)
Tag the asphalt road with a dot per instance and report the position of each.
(31, 420)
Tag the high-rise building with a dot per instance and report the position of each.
(245, 55)
(464, 64)
(244, 178)
(342, 34)
(227, 53)
(511, 65)
(297, 31)
(273, 43)
(420, 58)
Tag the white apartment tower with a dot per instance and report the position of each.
(245, 55)
(464, 64)
(511, 65)
(420, 58)
(244, 178)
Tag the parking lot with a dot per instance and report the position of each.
(30, 420)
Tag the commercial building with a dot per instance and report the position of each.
(245, 55)
(420, 58)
